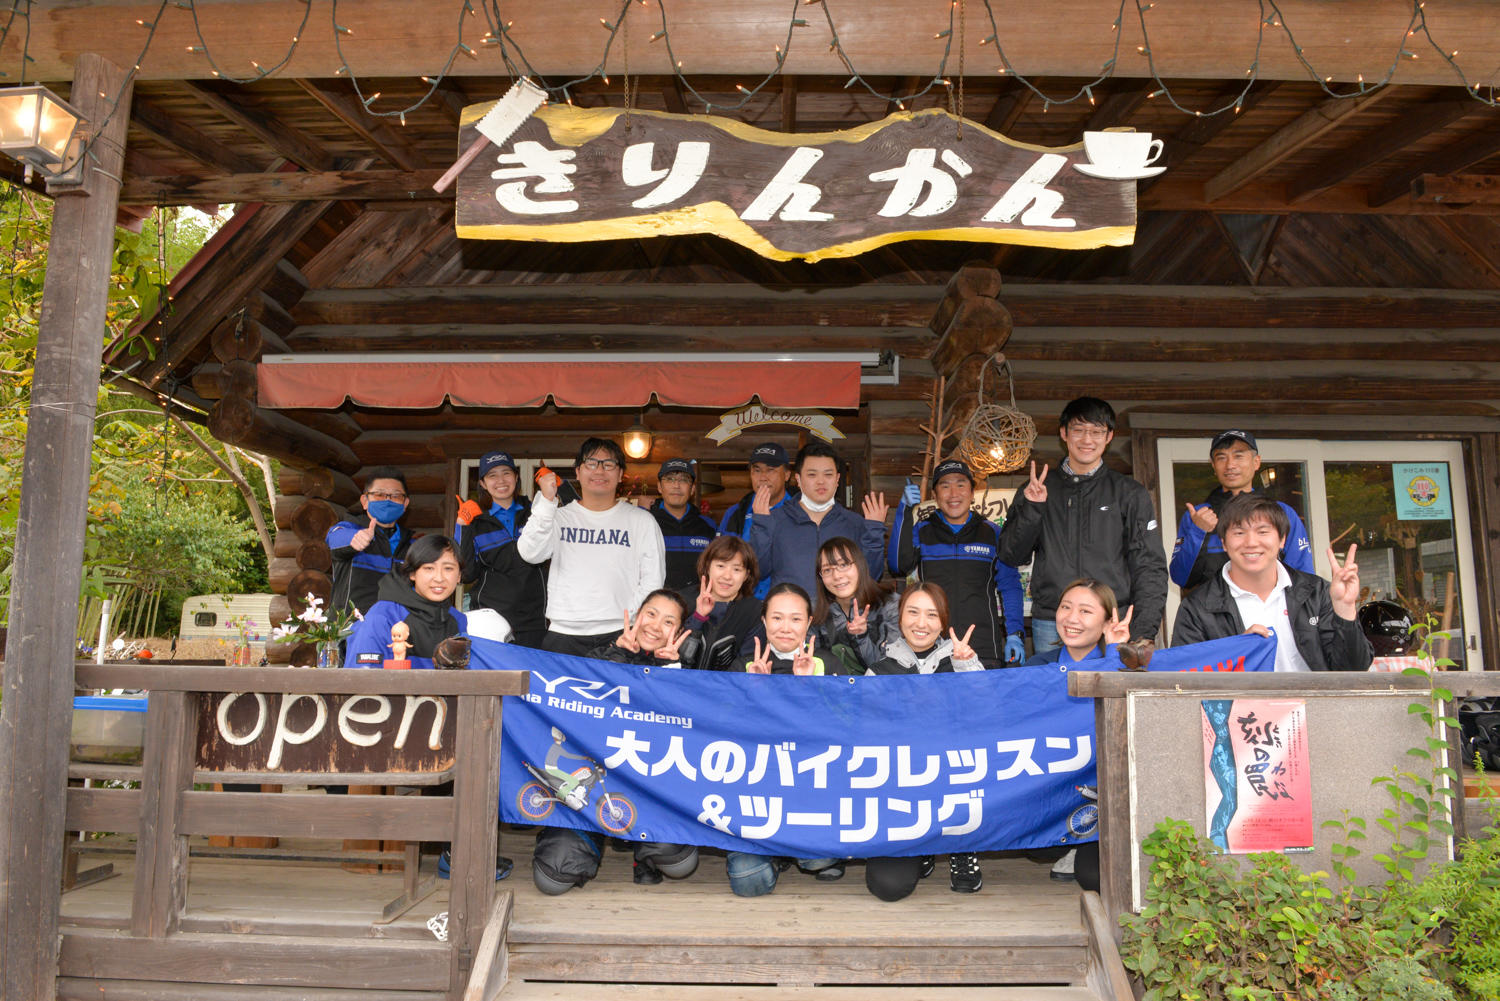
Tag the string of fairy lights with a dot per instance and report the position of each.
(502, 37)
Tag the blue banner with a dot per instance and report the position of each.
(812, 767)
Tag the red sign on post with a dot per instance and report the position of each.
(1256, 775)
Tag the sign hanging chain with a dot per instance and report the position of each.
(625, 33)
(962, 25)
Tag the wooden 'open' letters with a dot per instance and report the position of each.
(285, 732)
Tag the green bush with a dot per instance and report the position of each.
(1211, 930)
(1466, 895)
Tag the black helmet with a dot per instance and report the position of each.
(1387, 626)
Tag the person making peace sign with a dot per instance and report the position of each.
(1314, 621)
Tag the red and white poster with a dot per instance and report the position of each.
(1256, 775)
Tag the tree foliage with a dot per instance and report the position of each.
(162, 516)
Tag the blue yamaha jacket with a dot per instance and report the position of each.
(1199, 555)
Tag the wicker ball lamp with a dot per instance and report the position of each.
(997, 438)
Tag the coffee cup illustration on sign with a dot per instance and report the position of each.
(1121, 156)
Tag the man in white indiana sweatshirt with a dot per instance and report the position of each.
(607, 554)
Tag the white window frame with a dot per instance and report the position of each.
(1313, 454)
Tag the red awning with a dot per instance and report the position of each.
(605, 380)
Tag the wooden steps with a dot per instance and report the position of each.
(729, 992)
(808, 940)
(1022, 936)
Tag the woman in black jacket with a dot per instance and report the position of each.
(726, 613)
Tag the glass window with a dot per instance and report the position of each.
(1401, 516)
(205, 620)
(1192, 482)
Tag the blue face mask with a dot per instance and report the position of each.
(386, 512)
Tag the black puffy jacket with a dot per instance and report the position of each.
(1103, 526)
(1325, 641)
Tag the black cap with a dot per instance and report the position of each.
(952, 466)
(493, 459)
(770, 454)
(1226, 438)
(676, 466)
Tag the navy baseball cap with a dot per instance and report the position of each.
(952, 466)
(771, 454)
(493, 459)
(1226, 438)
(676, 466)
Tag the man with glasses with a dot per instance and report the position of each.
(364, 553)
(683, 528)
(1086, 521)
(607, 554)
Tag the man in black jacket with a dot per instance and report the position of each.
(1087, 521)
(494, 572)
(684, 530)
(1314, 622)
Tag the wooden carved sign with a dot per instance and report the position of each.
(737, 422)
(570, 174)
(272, 732)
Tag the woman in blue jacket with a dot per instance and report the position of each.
(419, 592)
(1088, 624)
(1090, 627)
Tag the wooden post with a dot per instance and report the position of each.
(471, 884)
(37, 715)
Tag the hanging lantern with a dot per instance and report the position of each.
(997, 438)
(36, 127)
(637, 443)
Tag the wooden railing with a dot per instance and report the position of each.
(1127, 769)
(166, 809)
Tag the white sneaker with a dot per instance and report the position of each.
(1062, 869)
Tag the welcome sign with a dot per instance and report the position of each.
(571, 174)
(811, 767)
(737, 422)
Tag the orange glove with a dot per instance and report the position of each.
(467, 510)
(544, 471)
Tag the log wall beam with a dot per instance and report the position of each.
(286, 140)
(1039, 305)
(357, 185)
(241, 265)
(1461, 155)
(164, 128)
(338, 97)
(890, 38)
(1306, 129)
(1388, 140)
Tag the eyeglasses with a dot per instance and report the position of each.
(829, 569)
(1089, 432)
(381, 495)
(594, 465)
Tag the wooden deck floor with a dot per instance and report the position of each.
(1019, 904)
(1021, 928)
